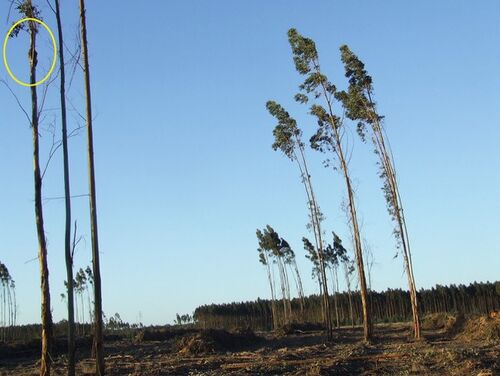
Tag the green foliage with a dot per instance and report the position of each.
(313, 256)
(357, 100)
(286, 133)
(5, 277)
(26, 9)
(306, 59)
(336, 253)
(274, 245)
(304, 51)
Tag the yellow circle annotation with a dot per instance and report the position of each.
(4, 52)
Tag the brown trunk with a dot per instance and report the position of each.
(67, 197)
(388, 166)
(348, 283)
(98, 342)
(300, 289)
(358, 252)
(46, 316)
(316, 224)
(273, 301)
(335, 297)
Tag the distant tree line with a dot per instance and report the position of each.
(113, 324)
(8, 305)
(391, 305)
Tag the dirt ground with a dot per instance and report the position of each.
(446, 350)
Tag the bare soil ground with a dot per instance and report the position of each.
(452, 346)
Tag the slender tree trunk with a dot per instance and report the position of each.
(287, 289)
(67, 202)
(273, 294)
(46, 315)
(348, 283)
(2, 313)
(353, 219)
(367, 325)
(387, 165)
(98, 338)
(273, 301)
(337, 292)
(335, 301)
(316, 224)
(15, 308)
(283, 291)
(300, 289)
(9, 298)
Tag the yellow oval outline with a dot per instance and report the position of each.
(4, 52)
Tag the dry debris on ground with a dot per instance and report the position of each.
(452, 346)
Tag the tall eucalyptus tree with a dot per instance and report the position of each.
(329, 138)
(269, 241)
(98, 324)
(360, 106)
(27, 9)
(67, 198)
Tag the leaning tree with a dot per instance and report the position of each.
(288, 139)
(270, 243)
(360, 106)
(329, 137)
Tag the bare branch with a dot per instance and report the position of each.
(53, 147)
(75, 242)
(63, 197)
(31, 260)
(17, 100)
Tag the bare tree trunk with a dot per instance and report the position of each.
(335, 296)
(348, 283)
(300, 289)
(353, 219)
(283, 290)
(98, 338)
(287, 289)
(273, 300)
(387, 165)
(9, 296)
(46, 315)
(271, 285)
(316, 224)
(67, 202)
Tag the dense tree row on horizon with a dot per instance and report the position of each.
(391, 305)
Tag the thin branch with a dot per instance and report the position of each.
(45, 90)
(75, 242)
(53, 148)
(63, 197)
(18, 102)
(33, 259)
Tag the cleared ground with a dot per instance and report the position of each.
(451, 347)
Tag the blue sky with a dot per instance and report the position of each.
(185, 171)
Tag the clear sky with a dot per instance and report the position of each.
(185, 169)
